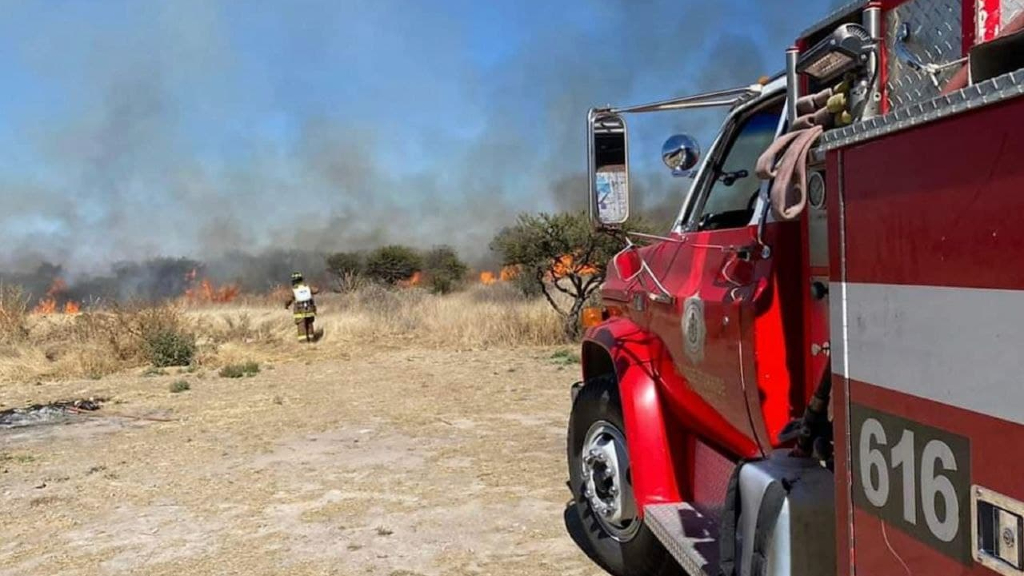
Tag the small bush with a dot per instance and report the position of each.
(14, 309)
(392, 264)
(560, 253)
(170, 348)
(248, 369)
(347, 268)
(445, 271)
(180, 386)
(341, 263)
(135, 333)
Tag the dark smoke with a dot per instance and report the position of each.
(122, 200)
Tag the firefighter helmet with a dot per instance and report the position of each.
(297, 278)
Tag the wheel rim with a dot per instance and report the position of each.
(607, 486)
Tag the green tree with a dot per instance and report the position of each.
(393, 263)
(346, 268)
(444, 269)
(559, 253)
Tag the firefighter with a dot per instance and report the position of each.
(304, 310)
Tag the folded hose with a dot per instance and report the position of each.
(825, 109)
(789, 189)
(817, 112)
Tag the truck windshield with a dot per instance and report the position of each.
(733, 195)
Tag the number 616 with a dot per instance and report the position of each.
(935, 458)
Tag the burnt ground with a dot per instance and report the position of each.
(391, 462)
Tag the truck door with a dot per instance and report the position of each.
(713, 273)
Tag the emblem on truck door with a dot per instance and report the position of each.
(694, 331)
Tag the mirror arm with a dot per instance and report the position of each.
(654, 237)
(706, 100)
(667, 107)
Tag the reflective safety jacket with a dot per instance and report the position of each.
(302, 302)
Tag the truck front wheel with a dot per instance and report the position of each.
(602, 487)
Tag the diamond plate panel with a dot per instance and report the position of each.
(987, 93)
(688, 535)
(936, 36)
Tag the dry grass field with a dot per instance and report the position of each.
(96, 343)
(424, 435)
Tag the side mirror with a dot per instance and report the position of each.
(608, 151)
(627, 263)
(680, 153)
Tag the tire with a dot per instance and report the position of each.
(622, 549)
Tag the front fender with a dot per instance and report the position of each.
(634, 355)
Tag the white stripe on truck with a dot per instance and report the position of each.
(957, 346)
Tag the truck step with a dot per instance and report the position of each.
(690, 536)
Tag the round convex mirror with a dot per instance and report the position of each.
(680, 152)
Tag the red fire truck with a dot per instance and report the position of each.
(819, 370)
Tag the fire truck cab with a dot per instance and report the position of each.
(818, 369)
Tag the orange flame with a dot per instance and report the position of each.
(415, 280)
(208, 292)
(49, 304)
(506, 274)
(45, 306)
(566, 265)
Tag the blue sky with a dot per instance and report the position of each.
(132, 129)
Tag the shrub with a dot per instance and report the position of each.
(180, 386)
(346, 268)
(136, 332)
(560, 253)
(239, 370)
(170, 348)
(391, 264)
(14, 309)
(445, 271)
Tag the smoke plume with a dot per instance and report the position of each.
(249, 138)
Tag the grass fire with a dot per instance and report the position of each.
(205, 291)
(55, 300)
(71, 329)
(304, 288)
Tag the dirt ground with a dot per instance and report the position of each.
(385, 462)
